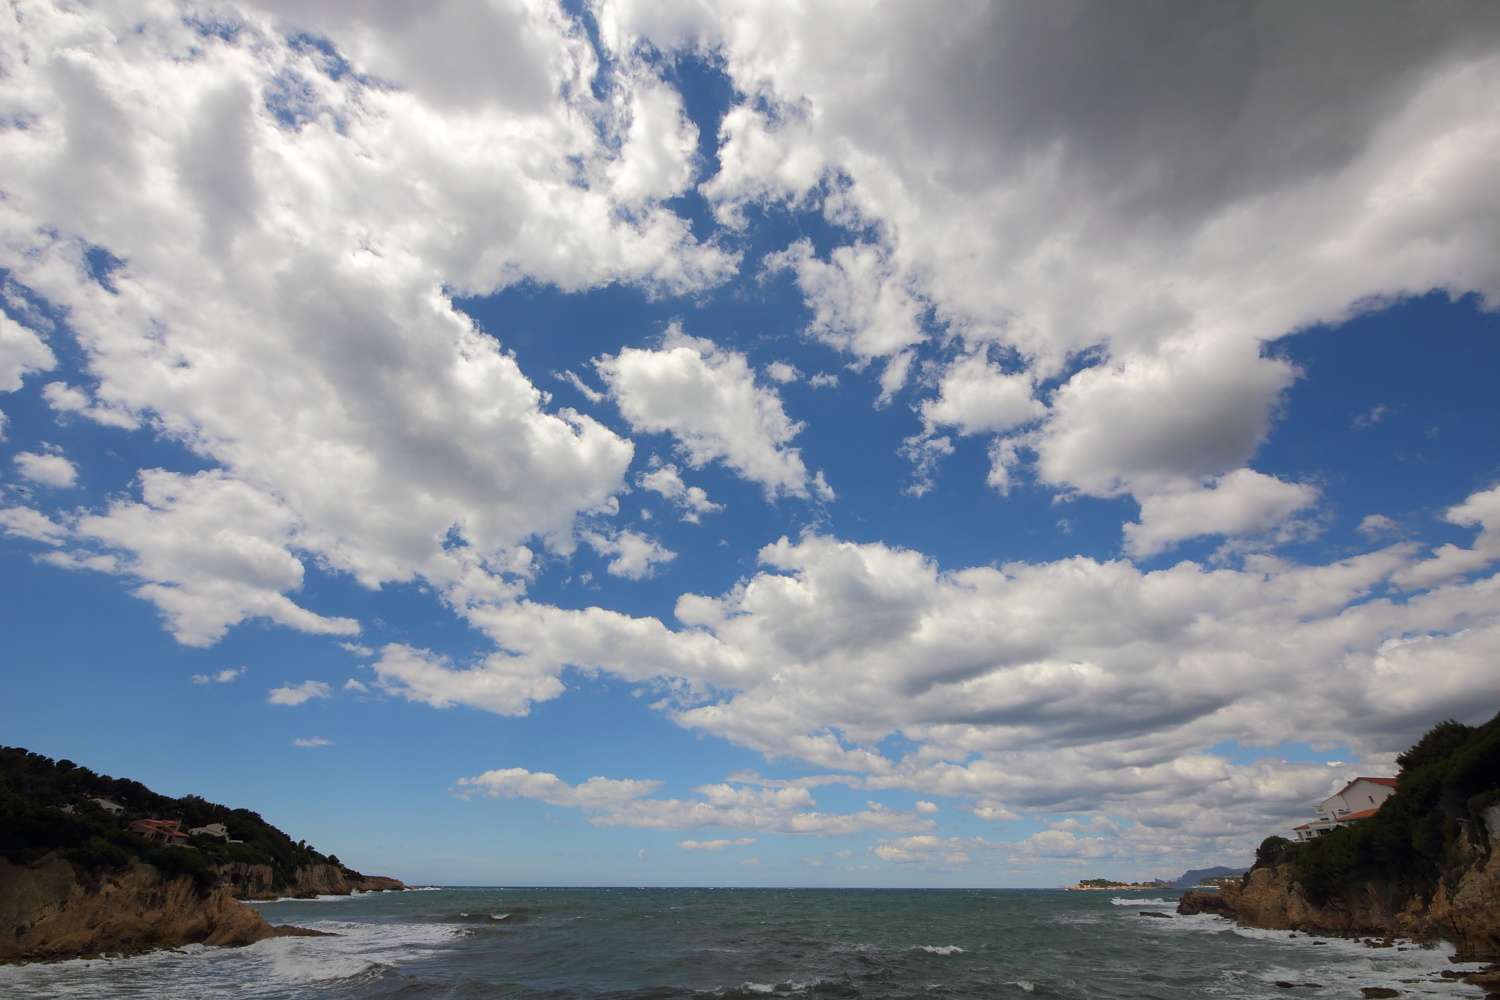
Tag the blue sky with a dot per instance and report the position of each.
(780, 443)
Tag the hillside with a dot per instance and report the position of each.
(1426, 865)
(75, 879)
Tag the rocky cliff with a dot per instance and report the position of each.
(1463, 909)
(53, 912)
(50, 913)
(258, 882)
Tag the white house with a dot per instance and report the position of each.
(113, 808)
(211, 830)
(1360, 799)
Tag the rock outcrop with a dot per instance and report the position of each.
(257, 882)
(1464, 909)
(48, 912)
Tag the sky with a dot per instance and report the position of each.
(758, 442)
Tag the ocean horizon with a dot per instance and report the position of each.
(657, 943)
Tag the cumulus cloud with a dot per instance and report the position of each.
(595, 793)
(611, 802)
(783, 371)
(21, 352)
(927, 848)
(1377, 526)
(1057, 687)
(1481, 510)
(25, 522)
(262, 197)
(975, 395)
(296, 694)
(635, 555)
(1239, 503)
(223, 677)
(1211, 202)
(504, 684)
(48, 470)
(210, 551)
(693, 501)
(316, 741)
(708, 400)
(714, 845)
(861, 304)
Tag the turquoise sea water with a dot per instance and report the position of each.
(663, 944)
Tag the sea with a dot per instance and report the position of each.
(665, 944)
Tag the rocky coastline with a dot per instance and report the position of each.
(55, 912)
(1464, 908)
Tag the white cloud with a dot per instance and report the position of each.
(611, 802)
(927, 808)
(210, 551)
(316, 741)
(1481, 510)
(928, 849)
(228, 176)
(48, 470)
(977, 396)
(1057, 687)
(783, 372)
(69, 399)
(1162, 421)
(221, 677)
(714, 845)
(506, 685)
(1377, 526)
(24, 522)
(353, 685)
(595, 793)
(707, 399)
(635, 555)
(861, 304)
(21, 352)
(1240, 503)
(1201, 207)
(296, 694)
(693, 501)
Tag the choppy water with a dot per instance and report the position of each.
(663, 944)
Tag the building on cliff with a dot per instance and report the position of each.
(1360, 799)
(163, 831)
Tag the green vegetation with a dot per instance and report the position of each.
(36, 791)
(1101, 883)
(1447, 780)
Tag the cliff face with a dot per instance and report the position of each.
(255, 882)
(49, 914)
(1464, 909)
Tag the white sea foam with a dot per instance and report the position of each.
(1141, 901)
(943, 949)
(273, 968)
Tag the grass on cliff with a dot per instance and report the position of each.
(35, 791)
(1447, 780)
